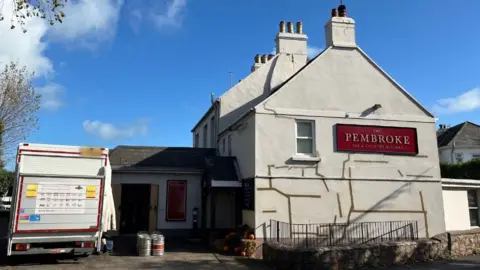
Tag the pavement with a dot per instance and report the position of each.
(186, 258)
(464, 263)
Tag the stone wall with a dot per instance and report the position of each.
(464, 243)
(440, 247)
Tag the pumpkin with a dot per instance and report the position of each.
(244, 253)
(251, 236)
(225, 248)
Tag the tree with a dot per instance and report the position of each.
(19, 105)
(6, 181)
(50, 10)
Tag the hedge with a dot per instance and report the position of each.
(467, 170)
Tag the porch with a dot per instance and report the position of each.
(181, 192)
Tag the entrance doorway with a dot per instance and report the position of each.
(134, 208)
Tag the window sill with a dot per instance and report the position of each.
(306, 158)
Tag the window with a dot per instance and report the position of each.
(305, 137)
(197, 140)
(205, 136)
(229, 145)
(213, 136)
(476, 156)
(459, 157)
(223, 146)
(473, 207)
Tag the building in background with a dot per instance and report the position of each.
(461, 197)
(460, 143)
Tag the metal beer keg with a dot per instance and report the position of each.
(158, 244)
(144, 244)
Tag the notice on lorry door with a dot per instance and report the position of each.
(53, 198)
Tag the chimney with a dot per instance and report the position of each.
(264, 59)
(299, 28)
(257, 63)
(292, 42)
(340, 29)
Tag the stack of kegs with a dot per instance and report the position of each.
(144, 244)
(158, 244)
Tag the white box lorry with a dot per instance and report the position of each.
(62, 200)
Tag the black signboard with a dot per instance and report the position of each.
(248, 186)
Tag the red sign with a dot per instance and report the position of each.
(376, 139)
(176, 200)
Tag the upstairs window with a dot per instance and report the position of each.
(197, 140)
(473, 207)
(305, 137)
(205, 136)
(223, 145)
(229, 145)
(213, 136)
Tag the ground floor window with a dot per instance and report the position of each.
(176, 200)
(473, 207)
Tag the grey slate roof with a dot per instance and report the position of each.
(168, 157)
(464, 134)
(221, 168)
(206, 159)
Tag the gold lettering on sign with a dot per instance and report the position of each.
(364, 137)
(376, 138)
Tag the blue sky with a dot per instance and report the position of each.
(141, 72)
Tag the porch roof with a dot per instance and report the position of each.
(159, 157)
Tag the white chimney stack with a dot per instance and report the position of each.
(292, 42)
(340, 30)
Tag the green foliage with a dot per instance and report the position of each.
(6, 180)
(50, 10)
(467, 170)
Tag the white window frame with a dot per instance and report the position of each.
(312, 137)
(474, 208)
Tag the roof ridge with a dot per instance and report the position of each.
(447, 139)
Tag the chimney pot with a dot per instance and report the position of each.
(290, 27)
(299, 28)
(282, 27)
(257, 59)
(342, 11)
(334, 12)
(264, 59)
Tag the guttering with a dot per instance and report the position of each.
(460, 183)
(132, 169)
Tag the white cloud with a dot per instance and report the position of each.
(25, 48)
(136, 17)
(169, 17)
(313, 51)
(466, 102)
(52, 96)
(88, 23)
(107, 131)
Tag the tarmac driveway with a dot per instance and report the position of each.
(186, 259)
